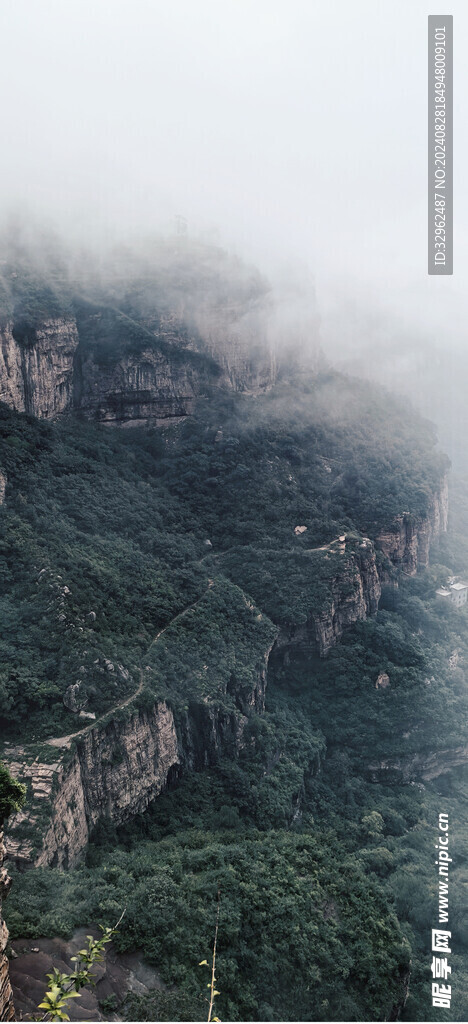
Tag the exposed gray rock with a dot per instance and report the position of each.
(354, 594)
(407, 541)
(75, 697)
(117, 768)
(7, 1010)
(38, 377)
(55, 371)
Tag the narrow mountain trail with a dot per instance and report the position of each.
(329, 546)
(65, 741)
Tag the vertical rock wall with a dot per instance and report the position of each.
(117, 769)
(37, 377)
(407, 541)
(7, 1011)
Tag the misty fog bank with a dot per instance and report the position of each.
(209, 287)
(298, 133)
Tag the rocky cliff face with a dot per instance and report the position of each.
(424, 766)
(239, 340)
(407, 541)
(406, 544)
(143, 373)
(137, 390)
(355, 589)
(7, 1010)
(116, 770)
(114, 773)
(354, 594)
(185, 294)
(36, 374)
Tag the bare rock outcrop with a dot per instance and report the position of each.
(112, 772)
(353, 594)
(138, 389)
(422, 766)
(116, 768)
(407, 541)
(104, 366)
(11, 371)
(37, 373)
(75, 697)
(7, 1010)
(237, 337)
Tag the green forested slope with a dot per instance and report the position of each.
(325, 869)
(104, 534)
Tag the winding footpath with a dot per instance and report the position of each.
(65, 741)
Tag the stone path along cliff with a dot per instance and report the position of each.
(65, 741)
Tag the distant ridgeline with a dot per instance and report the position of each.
(172, 600)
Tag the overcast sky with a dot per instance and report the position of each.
(297, 130)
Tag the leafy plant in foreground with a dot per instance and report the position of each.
(204, 963)
(64, 987)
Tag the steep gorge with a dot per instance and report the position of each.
(153, 372)
(113, 771)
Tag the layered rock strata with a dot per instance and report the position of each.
(407, 541)
(37, 376)
(126, 373)
(353, 594)
(115, 770)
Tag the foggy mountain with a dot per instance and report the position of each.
(233, 517)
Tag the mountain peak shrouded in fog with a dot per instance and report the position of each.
(137, 333)
(230, 689)
(205, 285)
(251, 119)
